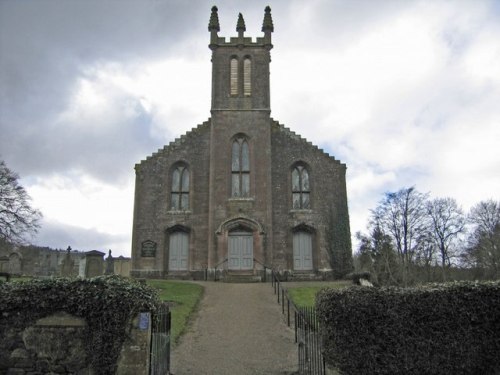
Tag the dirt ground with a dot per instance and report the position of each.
(239, 329)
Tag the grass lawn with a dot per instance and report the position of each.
(183, 298)
(306, 296)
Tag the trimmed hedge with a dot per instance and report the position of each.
(437, 329)
(107, 303)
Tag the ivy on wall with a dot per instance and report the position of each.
(339, 241)
(107, 303)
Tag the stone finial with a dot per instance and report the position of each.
(267, 25)
(240, 26)
(213, 24)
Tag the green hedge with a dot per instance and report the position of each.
(106, 303)
(438, 329)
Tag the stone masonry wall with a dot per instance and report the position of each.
(56, 345)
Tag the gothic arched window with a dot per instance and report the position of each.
(300, 188)
(247, 76)
(234, 76)
(240, 168)
(179, 197)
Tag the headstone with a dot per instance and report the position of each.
(67, 264)
(110, 264)
(94, 263)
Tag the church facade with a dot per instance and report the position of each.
(240, 193)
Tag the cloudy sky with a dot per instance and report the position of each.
(404, 92)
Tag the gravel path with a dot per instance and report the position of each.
(238, 329)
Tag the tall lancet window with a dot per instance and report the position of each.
(300, 188)
(179, 197)
(240, 168)
(234, 76)
(247, 76)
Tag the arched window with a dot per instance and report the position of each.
(240, 168)
(247, 77)
(179, 199)
(300, 188)
(234, 76)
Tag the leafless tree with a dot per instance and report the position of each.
(446, 223)
(402, 216)
(484, 240)
(17, 218)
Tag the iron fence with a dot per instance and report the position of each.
(307, 330)
(160, 343)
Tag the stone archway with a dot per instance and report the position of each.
(240, 241)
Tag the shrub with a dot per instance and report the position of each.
(438, 329)
(106, 303)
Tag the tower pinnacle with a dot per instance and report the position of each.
(213, 24)
(240, 26)
(267, 25)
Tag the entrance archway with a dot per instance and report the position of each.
(240, 240)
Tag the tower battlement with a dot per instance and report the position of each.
(240, 41)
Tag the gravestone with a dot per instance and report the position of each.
(67, 264)
(110, 265)
(94, 263)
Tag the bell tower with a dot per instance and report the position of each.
(240, 140)
(240, 66)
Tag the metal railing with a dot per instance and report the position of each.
(216, 276)
(307, 330)
(266, 267)
(160, 343)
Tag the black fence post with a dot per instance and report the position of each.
(288, 311)
(283, 301)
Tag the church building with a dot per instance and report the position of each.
(240, 193)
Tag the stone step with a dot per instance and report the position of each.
(242, 279)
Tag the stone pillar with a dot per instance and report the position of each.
(135, 354)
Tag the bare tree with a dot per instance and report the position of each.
(484, 240)
(17, 218)
(402, 216)
(446, 223)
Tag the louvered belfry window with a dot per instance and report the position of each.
(240, 168)
(180, 189)
(234, 76)
(300, 188)
(247, 77)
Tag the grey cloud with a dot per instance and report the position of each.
(45, 46)
(60, 236)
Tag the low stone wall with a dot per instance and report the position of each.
(56, 345)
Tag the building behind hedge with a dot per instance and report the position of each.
(240, 190)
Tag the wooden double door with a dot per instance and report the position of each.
(240, 250)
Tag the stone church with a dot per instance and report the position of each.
(240, 193)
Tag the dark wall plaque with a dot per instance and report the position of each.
(148, 249)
